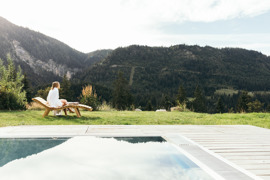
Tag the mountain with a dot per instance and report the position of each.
(152, 72)
(157, 71)
(42, 58)
(96, 56)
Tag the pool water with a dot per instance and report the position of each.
(87, 157)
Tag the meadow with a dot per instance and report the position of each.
(34, 117)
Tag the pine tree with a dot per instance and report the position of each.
(199, 100)
(149, 106)
(65, 91)
(167, 103)
(122, 98)
(268, 108)
(27, 88)
(220, 106)
(181, 96)
(242, 102)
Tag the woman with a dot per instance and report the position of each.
(53, 96)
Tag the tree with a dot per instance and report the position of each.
(43, 92)
(220, 106)
(166, 103)
(66, 92)
(255, 106)
(89, 97)
(12, 96)
(149, 106)
(242, 102)
(199, 100)
(122, 98)
(268, 108)
(181, 96)
(27, 88)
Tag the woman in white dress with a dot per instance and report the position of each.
(53, 96)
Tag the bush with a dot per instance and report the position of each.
(12, 97)
(89, 97)
(255, 106)
(105, 107)
(10, 102)
(43, 93)
(182, 107)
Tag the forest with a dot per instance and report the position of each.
(155, 74)
(149, 77)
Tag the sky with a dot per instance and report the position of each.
(89, 25)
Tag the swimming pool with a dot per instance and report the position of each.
(88, 157)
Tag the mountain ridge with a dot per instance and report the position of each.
(157, 71)
(151, 71)
(42, 58)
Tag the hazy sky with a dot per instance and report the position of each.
(88, 25)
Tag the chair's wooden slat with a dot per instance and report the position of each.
(49, 108)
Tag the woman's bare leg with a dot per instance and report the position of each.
(64, 102)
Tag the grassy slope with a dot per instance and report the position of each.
(14, 118)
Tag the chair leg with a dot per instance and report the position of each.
(65, 110)
(77, 112)
(47, 111)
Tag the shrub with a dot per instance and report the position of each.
(255, 106)
(12, 97)
(43, 92)
(105, 107)
(89, 97)
(180, 107)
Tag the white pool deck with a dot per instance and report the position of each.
(231, 151)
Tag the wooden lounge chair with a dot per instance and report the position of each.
(48, 108)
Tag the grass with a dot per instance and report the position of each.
(34, 117)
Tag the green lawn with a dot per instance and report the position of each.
(32, 117)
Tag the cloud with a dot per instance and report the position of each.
(88, 157)
(88, 25)
(196, 10)
(131, 12)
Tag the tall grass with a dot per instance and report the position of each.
(106, 107)
(34, 106)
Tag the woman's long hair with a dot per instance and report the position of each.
(55, 84)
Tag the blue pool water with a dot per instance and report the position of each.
(85, 157)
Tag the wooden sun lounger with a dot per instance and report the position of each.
(48, 108)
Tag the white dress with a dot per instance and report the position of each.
(53, 98)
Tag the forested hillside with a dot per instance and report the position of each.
(96, 56)
(154, 72)
(42, 58)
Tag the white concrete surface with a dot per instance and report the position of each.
(234, 152)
